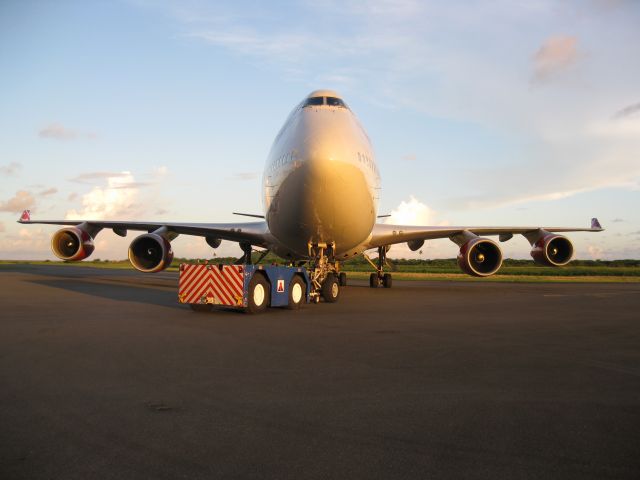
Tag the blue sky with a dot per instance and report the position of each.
(481, 113)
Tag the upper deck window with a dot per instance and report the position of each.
(336, 102)
(314, 101)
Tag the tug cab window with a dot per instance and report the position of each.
(314, 101)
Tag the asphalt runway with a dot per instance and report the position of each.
(103, 375)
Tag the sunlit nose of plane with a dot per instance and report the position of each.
(326, 137)
(326, 197)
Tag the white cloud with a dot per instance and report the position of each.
(619, 128)
(161, 171)
(22, 200)
(248, 42)
(48, 191)
(27, 242)
(119, 199)
(414, 212)
(60, 132)
(10, 169)
(93, 177)
(245, 176)
(633, 109)
(595, 252)
(411, 212)
(556, 54)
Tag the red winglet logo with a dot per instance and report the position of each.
(26, 216)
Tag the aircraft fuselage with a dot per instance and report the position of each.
(321, 181)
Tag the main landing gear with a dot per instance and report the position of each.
(379, 277)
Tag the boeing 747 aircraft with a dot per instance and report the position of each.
(320, 195)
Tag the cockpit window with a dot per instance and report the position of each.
(335, 102)
(314, 101)
(319, 101)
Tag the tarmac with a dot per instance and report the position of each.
(104, 375)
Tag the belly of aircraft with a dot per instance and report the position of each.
(321, 202)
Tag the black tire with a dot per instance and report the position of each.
(387, 280)
(259, 294)
(297, 293)
(342, 279)
(330, 289)
(373, 280)
(201, 307)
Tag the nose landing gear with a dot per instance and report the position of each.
(325, 279)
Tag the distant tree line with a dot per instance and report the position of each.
(445, 263)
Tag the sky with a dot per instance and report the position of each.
(480, 112)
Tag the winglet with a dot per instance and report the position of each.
(25, 217)
(595, 224)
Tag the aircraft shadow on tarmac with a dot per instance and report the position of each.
(123, 293)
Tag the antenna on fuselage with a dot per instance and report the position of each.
(248, 215)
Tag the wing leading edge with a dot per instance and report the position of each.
(384, 234)
(256, 233)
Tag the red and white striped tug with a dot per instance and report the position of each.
(218, 285)
(249, 287)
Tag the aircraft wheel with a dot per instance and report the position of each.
(386, 280)
(373, 280)
(342, 279)
(330, 289)
(259, 294)
(200, 307)
(297, 291)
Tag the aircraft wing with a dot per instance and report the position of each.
(384, 234)
(255, 233)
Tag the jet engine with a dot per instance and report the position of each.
(72, 244)
(480, 257)
(150, 253)
(552, 250)
(415, 244)
(213, 242)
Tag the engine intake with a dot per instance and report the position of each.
(480, 257)
(150, 253)
(552, 250)
(72, 244)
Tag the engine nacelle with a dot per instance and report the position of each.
(480, 257)
(552, 250)
(72, 244)
(213, 242)
(415, 244)
(150, 253)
